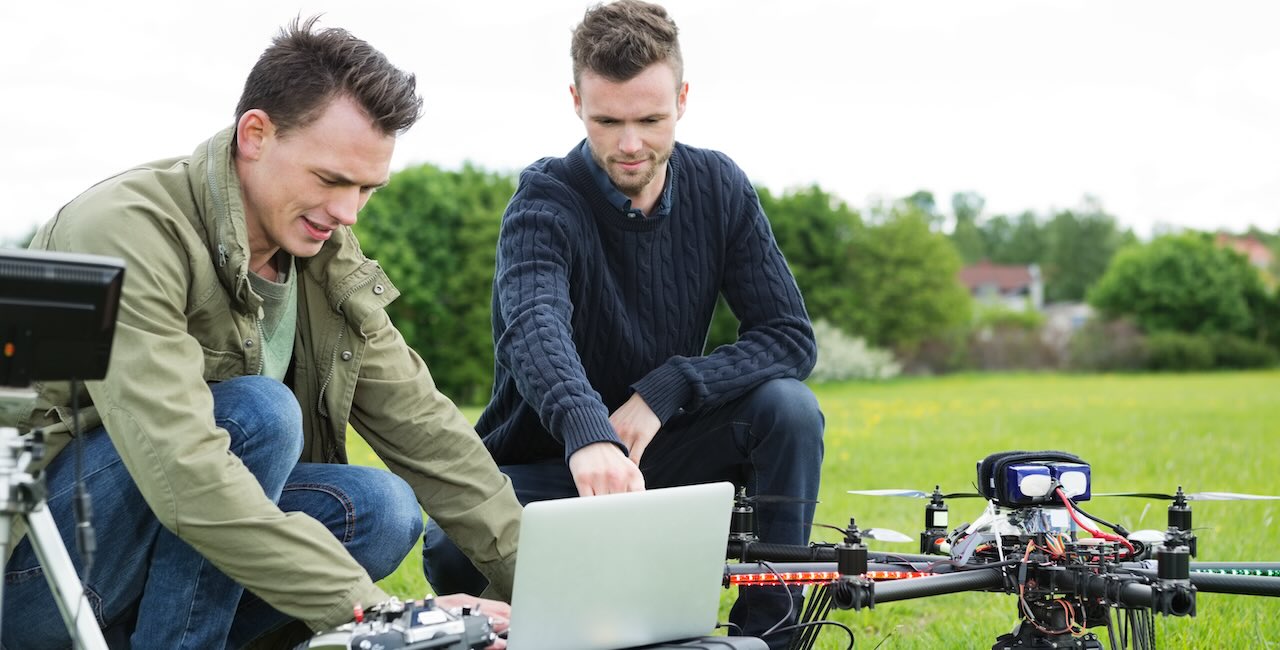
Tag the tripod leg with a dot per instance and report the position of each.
(63, 582)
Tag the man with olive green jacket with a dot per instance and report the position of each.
(251, 333)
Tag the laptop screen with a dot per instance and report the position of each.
(621, 570)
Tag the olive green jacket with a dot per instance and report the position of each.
(188, 317)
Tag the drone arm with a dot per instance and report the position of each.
(1219, 583)
(765, 568)
(1127, 592)
(756, 551)
(976, 580)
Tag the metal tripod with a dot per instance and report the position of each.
(21, 498)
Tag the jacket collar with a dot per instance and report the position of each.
(221, 215)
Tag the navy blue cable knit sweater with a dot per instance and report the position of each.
(591, 304)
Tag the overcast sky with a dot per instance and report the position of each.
(1167, 111)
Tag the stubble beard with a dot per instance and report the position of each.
(631, 184)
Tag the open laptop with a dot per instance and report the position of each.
(621, 570)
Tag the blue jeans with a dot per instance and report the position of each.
(149, 589)
(769, 440)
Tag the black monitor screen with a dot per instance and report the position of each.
(57, 315)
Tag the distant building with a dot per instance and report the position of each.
(1259, 255)
(1017, 287)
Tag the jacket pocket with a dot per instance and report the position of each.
(220, 365)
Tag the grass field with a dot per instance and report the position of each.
(1218, 432)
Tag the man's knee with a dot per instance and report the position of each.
(393, 521)
(787, 406)
(260, 413)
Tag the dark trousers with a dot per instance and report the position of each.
(769, 440)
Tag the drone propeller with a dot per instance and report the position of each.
(914, 494)
(878, 534)
(1147, 536)
(775, 498)
(1192, 496)
(886, 535)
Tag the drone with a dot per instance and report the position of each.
(1032, 540)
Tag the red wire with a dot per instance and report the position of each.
(1092, 531)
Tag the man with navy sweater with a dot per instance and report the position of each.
(610, 262)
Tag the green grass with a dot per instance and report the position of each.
(1139, 432)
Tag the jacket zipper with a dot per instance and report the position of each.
(262, 342)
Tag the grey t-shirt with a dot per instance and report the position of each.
(279, 317)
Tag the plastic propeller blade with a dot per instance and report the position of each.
(1147, 536)
(1192, 496)
(914, 494)
(885, 535)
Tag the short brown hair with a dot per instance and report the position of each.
(619, 40)
(304, 69)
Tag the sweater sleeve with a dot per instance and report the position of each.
(775, 337)
(535, 341)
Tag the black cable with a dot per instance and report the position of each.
(798, 626)
(1120, 530)
(801, 640)
(86, 541)
(727, 624)
(817, 606)
(1111, 629)
(791, 606)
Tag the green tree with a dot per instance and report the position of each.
(967, 205)
(967, 235)
(922, 201)
(1019, 242)
(1079, 245)
(435, 232)
(903, 279)
(1182, 283)
(815, 231)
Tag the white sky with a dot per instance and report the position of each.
(1167, 111)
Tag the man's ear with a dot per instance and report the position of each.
(681, 98)
(252, 131)
(577, 100)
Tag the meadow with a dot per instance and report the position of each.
(1204, 432)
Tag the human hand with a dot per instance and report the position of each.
(600, 468)
(636, 425)
(499, 613)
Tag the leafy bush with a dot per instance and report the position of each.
(1176, 351)
(435, 232)
(1011, 345)
(1182, 283)
(1238, 352)
(1108, 345)
(841, 356)
(999, 316)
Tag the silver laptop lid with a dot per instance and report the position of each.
(621, 570)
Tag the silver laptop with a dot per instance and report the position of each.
(621, 570)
